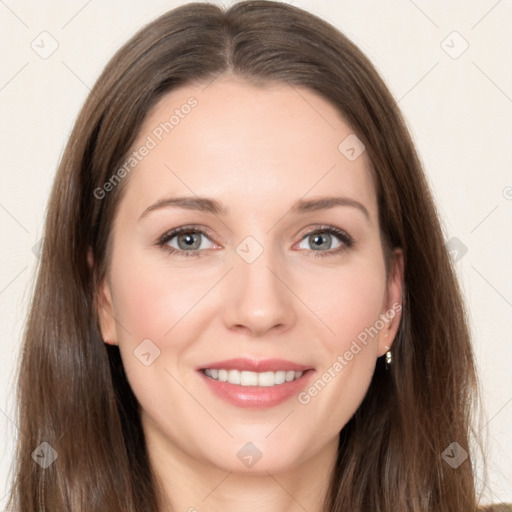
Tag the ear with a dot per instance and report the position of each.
(105, 307)
(106, 314)
(392, 311)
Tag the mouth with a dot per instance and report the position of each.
(255, 384)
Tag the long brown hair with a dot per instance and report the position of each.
(72, 390)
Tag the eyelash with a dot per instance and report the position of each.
(346, 240)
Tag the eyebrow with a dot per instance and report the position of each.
(207, 205)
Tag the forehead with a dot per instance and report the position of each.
(248, 146)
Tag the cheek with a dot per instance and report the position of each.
(153, 302)
(151, 299)
(350, 302)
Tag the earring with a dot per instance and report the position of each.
(389, 359)
(389, 356)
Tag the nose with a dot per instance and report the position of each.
(258, 298)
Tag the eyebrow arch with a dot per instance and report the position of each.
(202, 204)
(205, 204)
(325, 203)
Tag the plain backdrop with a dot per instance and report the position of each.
(447, 63)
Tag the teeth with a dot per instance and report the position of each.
(290, 375)
(234, 376)
(248, 378)
(244, 378)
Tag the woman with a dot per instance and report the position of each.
(250, 373)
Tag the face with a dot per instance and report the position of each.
(275, 282)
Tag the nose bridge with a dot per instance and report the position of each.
(259, 300)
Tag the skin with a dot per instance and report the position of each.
(257, 150)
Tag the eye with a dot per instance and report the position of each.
(188, 241)
(322, 239)
(183, 241)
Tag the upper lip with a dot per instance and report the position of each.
(256, 365)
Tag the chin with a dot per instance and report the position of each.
(255, 457)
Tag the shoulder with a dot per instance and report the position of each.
(499, 507)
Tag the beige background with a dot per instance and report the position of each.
(457, 101)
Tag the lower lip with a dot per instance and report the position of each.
(257, 397)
